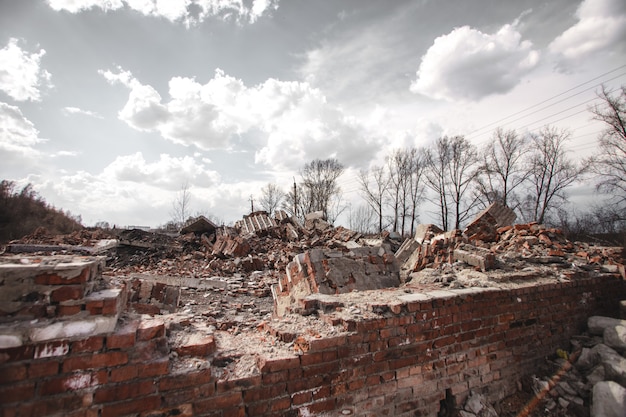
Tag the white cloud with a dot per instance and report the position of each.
(298, 122)
(131, 190)
(189, 12)
(64, 153)
(314, 130)
(17, 133)
(76, 6)
(468, 64)
(120, 77)
(20, 74)
(75, 110)
(18, 142)
(601, 27)
(168, 172)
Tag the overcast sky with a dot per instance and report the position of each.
(108, 106)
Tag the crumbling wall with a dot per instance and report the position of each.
(334, 272)
(395, 358)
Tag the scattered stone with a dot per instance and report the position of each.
(609, 400)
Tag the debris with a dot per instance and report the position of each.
(200, 225)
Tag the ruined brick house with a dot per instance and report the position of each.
(271, 318)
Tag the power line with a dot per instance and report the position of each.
(553, 97)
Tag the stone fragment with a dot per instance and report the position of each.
(334, 272)
(481, 259)
(615, 337)
(615, 369)
(597, 324)
(608, 400)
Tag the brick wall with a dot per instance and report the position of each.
(402, 363)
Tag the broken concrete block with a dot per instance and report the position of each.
(333, 272)
(483, 260)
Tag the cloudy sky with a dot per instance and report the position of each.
(108, 106)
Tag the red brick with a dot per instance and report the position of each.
(93, 344)
(39, 369)
(327, 342)
(68, 310)
(118, 392)
(202, 347)
(184, 410)
(227, 385)
(99, 360)
(280, 404)
(382, 389)
(94, 307)
(218, 402)
(71, 382)
(314, 358)
(264, 393)
(136, 405)
(154, 368)
(66, 293)
(410, 381)
(18, 353)
(276, 377)
(321, 406)
(305, 384)
(124, 373)
(150, 329)
(326, 369)
(110, 306)
(12, 373)
(356, 384)
(234, 412)
(123, 336)
(55, 279)
(302, 397)
(189, 379)
(444, 341)
(321, 392)
(257, 409)
(273, 365)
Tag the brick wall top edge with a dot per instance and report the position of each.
(48, 263)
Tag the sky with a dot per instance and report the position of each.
(109, 107)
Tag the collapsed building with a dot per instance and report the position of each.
(274, 318)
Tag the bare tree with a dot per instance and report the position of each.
(610, 163)
(296, 203)
(336, 206)
(362, 219)
(436, 161)
(400, 168)
(550, 173)
(416, 183)
(502, 169)
(319, 184)
(271, 198)
(451, 168)
(180, 206)
(373, 187)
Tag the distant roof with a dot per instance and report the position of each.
(199, 225)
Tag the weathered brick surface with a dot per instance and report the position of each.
(399, 364)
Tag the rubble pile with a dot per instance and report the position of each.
(334, 272)
(486, 255)
(233, 292)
